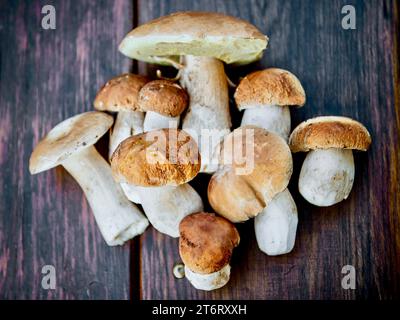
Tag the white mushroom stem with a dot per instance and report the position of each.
(276, 225)
(327, 176)
(131, 192)
(208, 113)
(272, 118)
(154, 121)
(211, 281)
(117, 218)
(127, 123)
(165, 207)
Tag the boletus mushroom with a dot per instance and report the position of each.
(261, 190)
(198, 43)
(256, 166)
(120, 94)
(327, 173)
(163, 101)
(70, 144)
(157, 165)
(205, 245)
(266, 96)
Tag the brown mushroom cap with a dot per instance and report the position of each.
(156, 158)
(271, 86)
(240, 197)
(164, 97)
(120, 93)
(206, 242)
(69, 137)
(209, 34)
(329, 132)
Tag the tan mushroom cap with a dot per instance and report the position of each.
(164, 97)
(156, 158)
(69, 137)
(240, 197)
(206, 242)
(271, 86)
(209, 34)
(120, 93)
(329, 132)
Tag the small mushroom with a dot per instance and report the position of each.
(120, 94)
(157, 165)
(202, 42)
(70, 144)
(243, 187)
(327, 174)
(266, 96)
(205, 245)
(163, 101)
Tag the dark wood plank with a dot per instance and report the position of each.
(353, 73)
(45, 77)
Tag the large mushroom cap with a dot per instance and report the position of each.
(164, 97)
(241, 190)
(68, 137)
(120, 93)
(227, 38)
(156, 158)
(329, 132)
(206, 242)
(271, 86)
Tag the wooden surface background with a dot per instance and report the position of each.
(49, 75)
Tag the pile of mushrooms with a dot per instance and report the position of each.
(153, 155)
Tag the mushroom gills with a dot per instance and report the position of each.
(154, 121)
(211, 281)
(327, 176)
(166, 206)
(127, 123)
(276, 225)
(272, 118)
(208, 112)
(117, 218)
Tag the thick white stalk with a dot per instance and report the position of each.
(165, 207)
(327, 176)
(154, 121)
(117, 218)
(207, 119)
(127, 123)
(272, 118)
(276, 225)
(211, 281)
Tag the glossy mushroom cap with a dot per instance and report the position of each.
(67, 138)
(120, 93)
(164, 97)
(239, 195)
(206, 242)
(226, 38)
(269, 87)
(156, 158)
(329, 132)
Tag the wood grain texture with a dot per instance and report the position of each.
(344, 72)
(45, 77)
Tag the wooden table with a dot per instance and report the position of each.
(49, 75)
